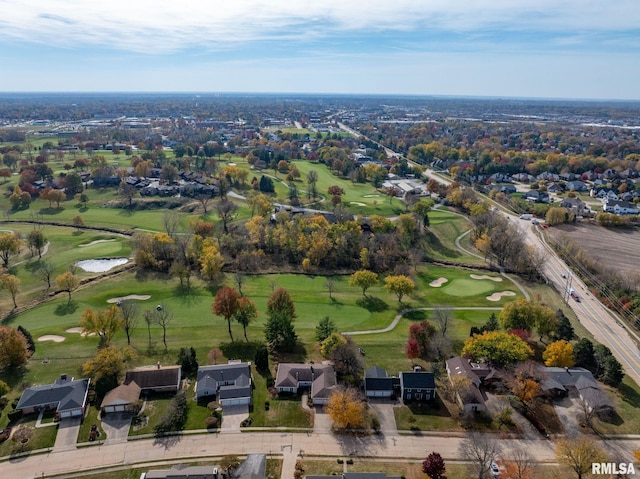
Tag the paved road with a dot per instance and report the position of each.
(191, 447)
(600, 322)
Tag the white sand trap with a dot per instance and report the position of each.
(371, 196)
(96, 242)
(498, 296)
(52, 337)
(139, 297)
(357, 203)
(484, 276)
(79, 331)
(436, 283)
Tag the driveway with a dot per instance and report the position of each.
(384, 411)
(568, 410)
(321, 421)
(67, 437)
(232, 416)
(116, 426)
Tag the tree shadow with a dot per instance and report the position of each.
(168, 441)
(187, 295)
(9, 318)
(372, 304)
(298, 354)
(433, 408)
(416, 315)
(240, 350)
(68, 307)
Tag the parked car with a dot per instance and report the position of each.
(495, 470)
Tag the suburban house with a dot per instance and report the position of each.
(619, 207)
(319, 378)
(67, 396)
(157, 379)
(377, 384)
(579, 381)
(471, 399)
(536, 196)
(417, 386)
(230, 384)
(575, 205)
(577, 185)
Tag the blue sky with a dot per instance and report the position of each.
(506, 48)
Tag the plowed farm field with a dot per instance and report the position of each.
(617, 248)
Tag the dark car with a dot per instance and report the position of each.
(4, 434)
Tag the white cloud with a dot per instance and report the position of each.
(160, 26)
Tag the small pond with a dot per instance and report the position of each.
(100, 265)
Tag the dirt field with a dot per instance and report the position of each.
(617, 248)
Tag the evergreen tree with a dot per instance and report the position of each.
(612, 372)
(262, 358)
(31, 345)
(325, 328)
(492, 323)
(266, 185)
(564, 329)
(584, 355)
(188, 362)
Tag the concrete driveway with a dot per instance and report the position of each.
(321, 421)
(116, 426)
(568, 410)
(384, 411)
(232, 416)
(67, 437)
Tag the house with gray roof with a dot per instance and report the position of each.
(563, 381)
(377, 383)
(67, 396)
(230, 384)
(470, 399)
(417, 386)
(319, 378)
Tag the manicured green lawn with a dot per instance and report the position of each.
(90, 419)
(432, 417)
(626, 399)
(43, 437)
(156, 406)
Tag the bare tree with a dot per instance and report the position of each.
(163, 317)
(226, 212)
(239, 278)
(204, 200)
(44, 272)
(149, 318)
(481, 450)
(129, 311)
(520, 464)
(170, 221)
(330, 284)
(443, 316)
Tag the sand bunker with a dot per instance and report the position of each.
(498, 296)
(100, 265)
(96, 242)
(371, 196)
(357, 203)
(52, 337)
(79, 331)
(484, 276)
(436, 283)
(139, 297)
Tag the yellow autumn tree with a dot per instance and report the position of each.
(346, 409)
(559, 353)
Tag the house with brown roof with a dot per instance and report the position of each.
(470, 399)
(157, 379)
(320, 379)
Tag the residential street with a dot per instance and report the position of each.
(210, 445)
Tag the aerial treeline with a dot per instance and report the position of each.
(377, 244)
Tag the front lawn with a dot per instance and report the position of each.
(283, 412)
(43, 437)
(432, 417)
(155, 407)
(90, 419)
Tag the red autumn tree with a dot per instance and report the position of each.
(226, 304)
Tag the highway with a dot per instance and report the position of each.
(599, 321)
(596, 318)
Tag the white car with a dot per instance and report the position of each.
(495, 470)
